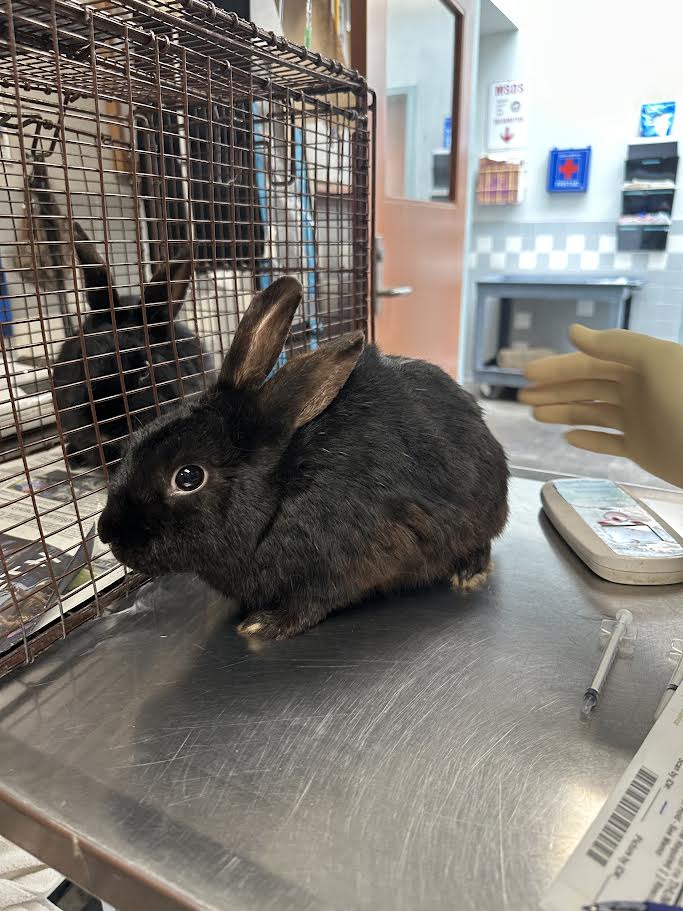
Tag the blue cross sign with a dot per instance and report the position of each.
(568, 170)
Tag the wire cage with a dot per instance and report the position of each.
(159, 163)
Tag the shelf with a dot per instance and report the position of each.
(655, 163)
(650, 203)
(500, 376)
(651, 168)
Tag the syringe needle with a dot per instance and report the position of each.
(619, 630)
(590, 700)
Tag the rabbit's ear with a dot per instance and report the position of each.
(306, 385)
(168, 285)
(95, 273)
(261, 334)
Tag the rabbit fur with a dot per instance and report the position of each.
(347, 473)
(113, 346)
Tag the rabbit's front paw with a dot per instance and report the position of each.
(267, 624)
(281, 623)
(263, 625)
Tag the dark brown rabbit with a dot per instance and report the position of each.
(118, 355)
(344, 474)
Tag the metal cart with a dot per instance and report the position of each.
(615, 291)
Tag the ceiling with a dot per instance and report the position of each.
(493, 20)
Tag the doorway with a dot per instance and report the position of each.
(417, 55)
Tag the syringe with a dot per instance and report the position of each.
(619, 630)
(676, 677)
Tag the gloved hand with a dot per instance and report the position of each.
(620, 380)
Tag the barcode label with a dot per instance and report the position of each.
(624, 813)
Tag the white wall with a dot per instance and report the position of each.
(264, 14)
(589, 66)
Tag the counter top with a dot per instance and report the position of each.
(562, 278)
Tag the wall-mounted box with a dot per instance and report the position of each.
(568, 170)
(642, 237)
(652, 161)
(648, 196)
(634, 202)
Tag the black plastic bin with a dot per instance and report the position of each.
(642, 237)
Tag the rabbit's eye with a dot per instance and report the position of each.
(189, 479)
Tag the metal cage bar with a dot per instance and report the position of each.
(136, 140)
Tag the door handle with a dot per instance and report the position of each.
(401, 291)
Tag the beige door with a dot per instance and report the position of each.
(416, 55)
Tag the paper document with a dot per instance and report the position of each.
(633, 851)
(29, 598)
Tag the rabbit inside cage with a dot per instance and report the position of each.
(149, 187)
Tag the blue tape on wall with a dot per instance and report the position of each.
(300, 195)
(307, 236)
(5, 306)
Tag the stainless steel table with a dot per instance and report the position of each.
(416, 753)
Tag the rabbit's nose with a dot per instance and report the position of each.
(105, 527)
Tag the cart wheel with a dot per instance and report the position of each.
(487, 391)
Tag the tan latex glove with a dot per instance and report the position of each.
(620, 380)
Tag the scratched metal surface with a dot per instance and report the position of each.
(416, 753)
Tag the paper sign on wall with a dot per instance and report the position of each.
(507, 128)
